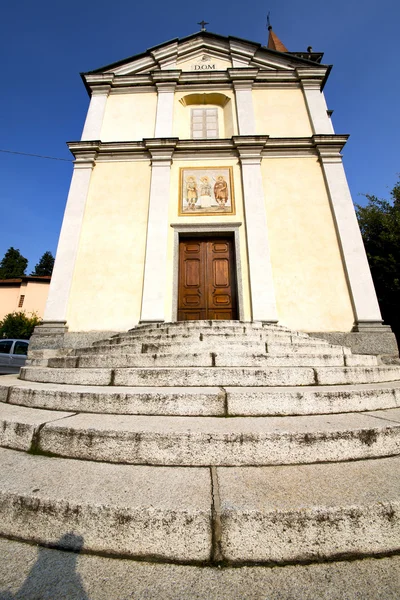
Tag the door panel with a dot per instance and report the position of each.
(207, 286)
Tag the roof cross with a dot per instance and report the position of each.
(203, 25)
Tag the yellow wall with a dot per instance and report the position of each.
(35, 297)
(106, 290)
(309, 279)
(174, 218)
(129, 117)
(281, 113)
(227, 121)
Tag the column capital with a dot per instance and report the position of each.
(250, 147)
(329, 147)
(161, 150)
(312, 78)
(164, 87)
(243, 84)
(245, 75)
(170, 76)
(85, 160)
(101, 90)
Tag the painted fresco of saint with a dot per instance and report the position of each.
(205, 192)
(191, 192)
(221, 191)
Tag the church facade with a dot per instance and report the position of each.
(209, 184)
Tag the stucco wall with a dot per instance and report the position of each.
(35, 297)
(9, 297)
(310, 284)
(107, 284)
(214, 220)
(129, 117)
(281, 113)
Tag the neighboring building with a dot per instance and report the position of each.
(28, 294)
(208, 184)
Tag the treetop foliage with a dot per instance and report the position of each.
(44, 266)
(13, 264)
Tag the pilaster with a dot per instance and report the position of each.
(165, 84)
(363, 295)
(242, 81)
(260, 270)
(315, 101)
(95, 114)
(67, 250)
(155, 268)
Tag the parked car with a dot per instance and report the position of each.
(12, 355)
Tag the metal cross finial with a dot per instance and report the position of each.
(203, 25)
(269, 22)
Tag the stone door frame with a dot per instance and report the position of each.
(206, 229)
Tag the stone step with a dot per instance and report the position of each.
(118, 509)
(192, 401)
(238, 515)
(208, 376)
(202, 334)
(211, 359)
(364, 578)
(209, 326)
(197, 346)
(193, 441)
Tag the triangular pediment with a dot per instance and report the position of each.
(206, 51)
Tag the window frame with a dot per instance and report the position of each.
(205, 125)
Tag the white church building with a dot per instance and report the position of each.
(208, 184)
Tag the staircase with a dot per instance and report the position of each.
(204, 443)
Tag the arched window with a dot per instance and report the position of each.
(210, 115)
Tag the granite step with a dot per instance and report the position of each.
(145, 512)
(199, 336)
(212, 359)
(364, 578)
(258, 346)
(193, 441)
(212, 376)
(208, 326)
(201, 401)
(242, 515)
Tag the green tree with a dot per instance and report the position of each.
(45, 265)
(13, 264)
(379, 222)
(19, 325)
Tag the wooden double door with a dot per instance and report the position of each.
(207, 282)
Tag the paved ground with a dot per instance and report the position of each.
(31, 573)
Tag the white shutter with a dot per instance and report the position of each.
(204, 123)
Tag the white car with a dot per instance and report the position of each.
(12, 355)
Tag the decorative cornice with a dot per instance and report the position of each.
(248, 148)
(309, 77)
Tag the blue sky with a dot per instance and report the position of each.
(46, 44)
